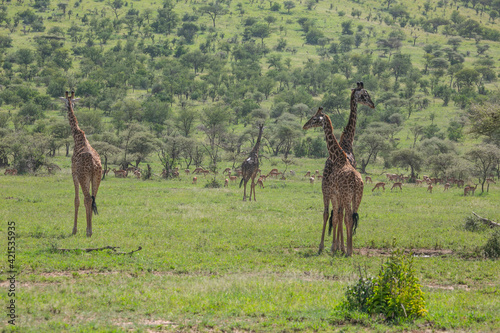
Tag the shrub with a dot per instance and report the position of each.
(394, 293)
(473, 224)
(492, 247)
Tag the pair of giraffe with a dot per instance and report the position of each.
(342, 184)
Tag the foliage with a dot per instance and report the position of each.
(473, 224)
(394, 293)
(492, 247)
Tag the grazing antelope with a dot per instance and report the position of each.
(195, 179)
(398, 184)
(233, 178)
(260, 182)
(490, 181)
(472, 189)
(379, 185)
(429, 188)
(205, 172)
(198, 170)
(137, 174)
(311, 180)
(460, 183)
(175, 173)
(446, 187)
(187, 171)
(308, 174)
(226, 182)
(226, 170)
(12, 172)
(120, 173)
(418, 182)
(368, 179)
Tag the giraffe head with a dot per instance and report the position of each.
(361, 96)
(316, 121)
(69, 99)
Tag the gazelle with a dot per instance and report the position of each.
(379, 185)
(398, 184)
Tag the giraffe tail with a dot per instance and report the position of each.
(94, 206)
(330, 224)
(241, 182)
(355, 219)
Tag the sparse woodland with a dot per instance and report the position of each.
(153, 78)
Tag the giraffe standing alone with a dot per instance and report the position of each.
(342, 185)
(250, 166)
(86, 167)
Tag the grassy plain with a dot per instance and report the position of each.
(211, 262)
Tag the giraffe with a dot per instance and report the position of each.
(361, 96)
(342, 185)
(250, 166)
(86, 166)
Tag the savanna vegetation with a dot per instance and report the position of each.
(180, 84)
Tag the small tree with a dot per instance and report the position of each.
(289, 5)
(484, 159)
(408, 158)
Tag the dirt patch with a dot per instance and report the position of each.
(369, 252)
(442, 287)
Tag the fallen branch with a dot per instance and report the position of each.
(486, 221)
(138, 249)
(112, 248)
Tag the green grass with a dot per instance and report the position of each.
(211, 262)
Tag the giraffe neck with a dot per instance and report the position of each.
(255, 149)
(335, 152)
(78, 133)
(347, 138)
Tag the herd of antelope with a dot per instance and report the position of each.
(399, 181)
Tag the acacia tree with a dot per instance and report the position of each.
(141, 145)
(408, 158)
(484, 159)
(185, 120)
(484, 120)
(368, 146)
(214, 122)
(214, 10)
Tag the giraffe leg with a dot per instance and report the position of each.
(245, 190)
(96, 181)
(326, 203)
(252, 189)
(77, 202)
(348, 226)
(339, 240)
(85, 184)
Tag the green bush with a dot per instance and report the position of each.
(473, 224)
(394, 293)
(492, 247)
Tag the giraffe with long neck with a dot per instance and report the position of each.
(250, 166)
(361, 96)
(86, 167)
(342, 185)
